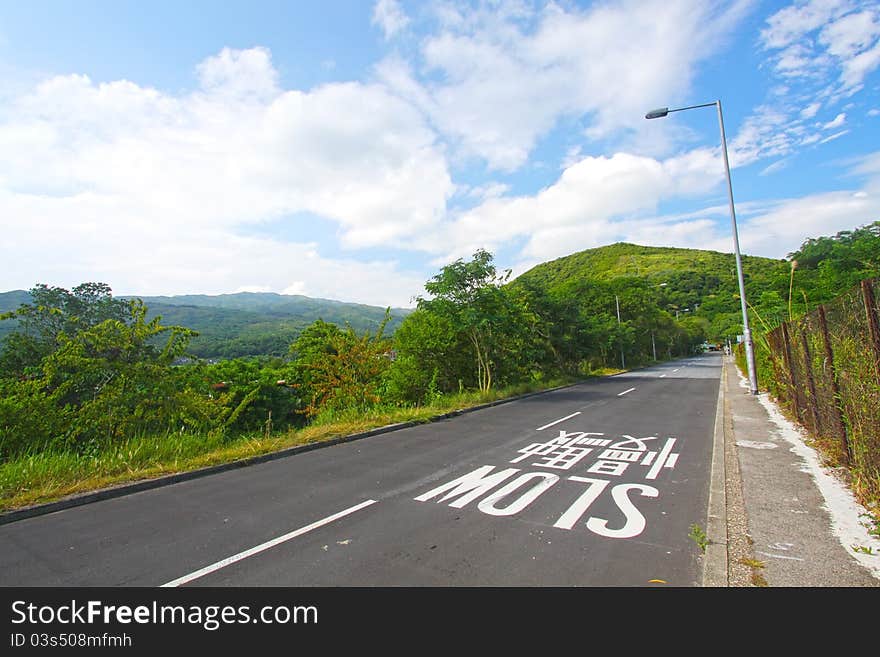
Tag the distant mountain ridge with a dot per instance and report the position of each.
(265, 323)
(243, 323)
(264, 302)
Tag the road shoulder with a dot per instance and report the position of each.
(729, 550)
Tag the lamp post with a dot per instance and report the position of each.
(747, 334)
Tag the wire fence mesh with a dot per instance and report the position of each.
(824, 369)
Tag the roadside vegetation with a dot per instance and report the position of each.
(95, 391)
(40, 476)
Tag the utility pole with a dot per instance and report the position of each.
(622, 360)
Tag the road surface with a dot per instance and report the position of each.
(598, 484)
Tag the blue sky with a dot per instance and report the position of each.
(350, 149)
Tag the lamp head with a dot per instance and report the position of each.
(657, 113)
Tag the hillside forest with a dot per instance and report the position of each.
(82, 370)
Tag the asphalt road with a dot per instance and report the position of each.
(597, 484)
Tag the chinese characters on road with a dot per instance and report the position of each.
(620, 458)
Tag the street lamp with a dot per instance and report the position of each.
(747, 334)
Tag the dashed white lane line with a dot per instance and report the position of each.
(621, 394)
(265, 546)
(567, 417)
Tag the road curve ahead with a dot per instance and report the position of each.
(598, 484)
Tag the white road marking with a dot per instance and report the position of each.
(265, 546)
(755, 444)
(567, 417)
(661, 461)
(621, 394)
(662, 375)
(780, 556)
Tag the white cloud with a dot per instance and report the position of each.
(836, 122)
(239, 74)
(767, 132)
(788, 25)
(295, 288)
(824, 40)
(601, 200)
(851, 34)
(778, 165)
(810, 110)
(496, 79)
(855, 70)
(820, 53)
(595, 201)
(868, 165)
(833, 137)
(71, 240)
(156, 192)
(150, 189)
(783, 230)
(388, 15)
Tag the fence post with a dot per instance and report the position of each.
(873, 327)
(792, 376)
(811, 383)
(836, 411)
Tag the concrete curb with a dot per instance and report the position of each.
(739, 543)
(715, 565)
(7, 517)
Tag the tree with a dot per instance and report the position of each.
(117, 375)
(340, 369)
(53, 312)
(470, 297)
(430, 357)
(258, 393)
(111, 380)
(827, 266)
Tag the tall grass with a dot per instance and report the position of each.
(39, 477)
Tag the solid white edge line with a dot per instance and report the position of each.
(265, 546)
(567, 417)
(621, 394)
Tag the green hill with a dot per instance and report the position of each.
(702, 283)
(655, 264)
